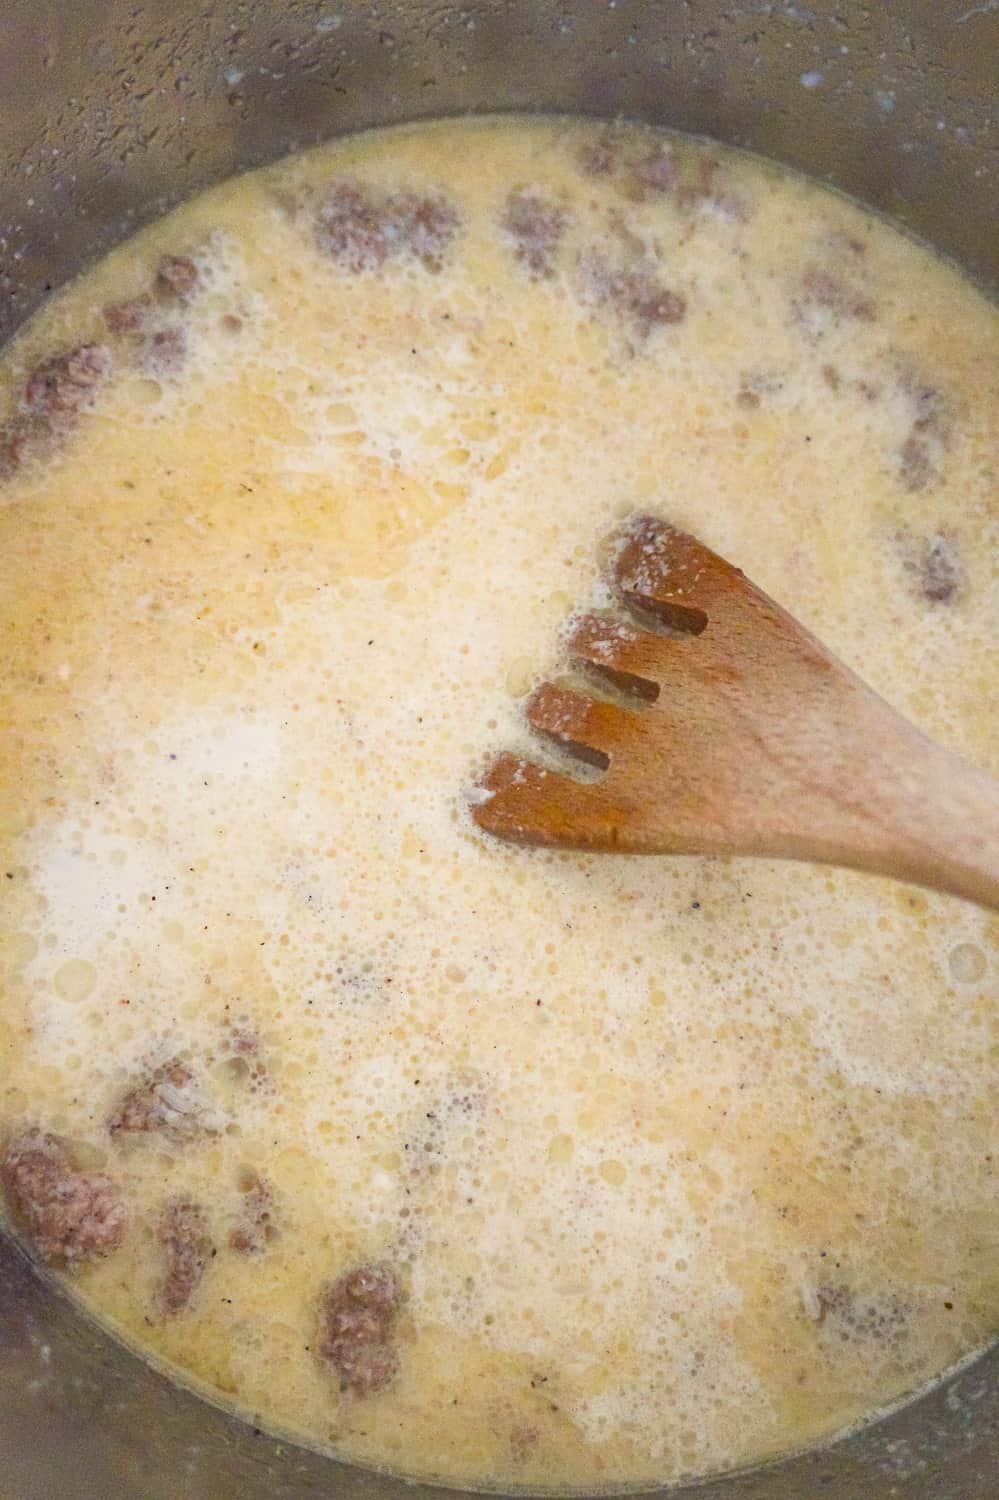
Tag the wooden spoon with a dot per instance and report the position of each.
(731, 730)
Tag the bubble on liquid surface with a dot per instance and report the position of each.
(966, 962)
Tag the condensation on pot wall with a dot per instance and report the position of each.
(112, 115)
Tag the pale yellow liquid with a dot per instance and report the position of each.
(261, 625)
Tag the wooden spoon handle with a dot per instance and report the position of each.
(927, 816)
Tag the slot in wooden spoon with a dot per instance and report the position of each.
(732, 730)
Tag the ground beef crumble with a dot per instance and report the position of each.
(183, 1232)
(177, 276)
(922, 452)
(535, 225)
(358, 1317)
(633, 291)
(933, 566)
(164, 352)
(165, 1101)
(63, 384)
(361, 228)
(71, 1215)
(129, 316)
(822, 289)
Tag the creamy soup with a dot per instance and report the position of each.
(499, 1166)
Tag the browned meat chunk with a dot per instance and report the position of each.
(165, 351)
(362, 230)
(63, 384)
(129, 316)
(256, 1228)
(423, 226)
(702, 185)
(634, 292)
(755, 385)
(70, 1215)
(929, 407)
(244, 1042)
(922, 452)
(536, 226)
(352, 230)
(177, 276)
(599, 156)
(694, 179)
(183, 1231)
(358, 1319)
(659, 170)
(823, 290)
(165, 1101)
(916, 468)
(934, 567)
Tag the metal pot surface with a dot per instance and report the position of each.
(111, 113)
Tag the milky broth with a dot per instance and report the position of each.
(677, 1163)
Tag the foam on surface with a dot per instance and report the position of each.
(682, 1162)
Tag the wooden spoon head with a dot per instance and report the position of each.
(702, 666)
(731, 730)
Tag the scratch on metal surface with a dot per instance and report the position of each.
(985, 9)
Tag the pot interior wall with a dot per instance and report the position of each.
(112, 112)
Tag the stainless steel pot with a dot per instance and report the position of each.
(110, 112)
